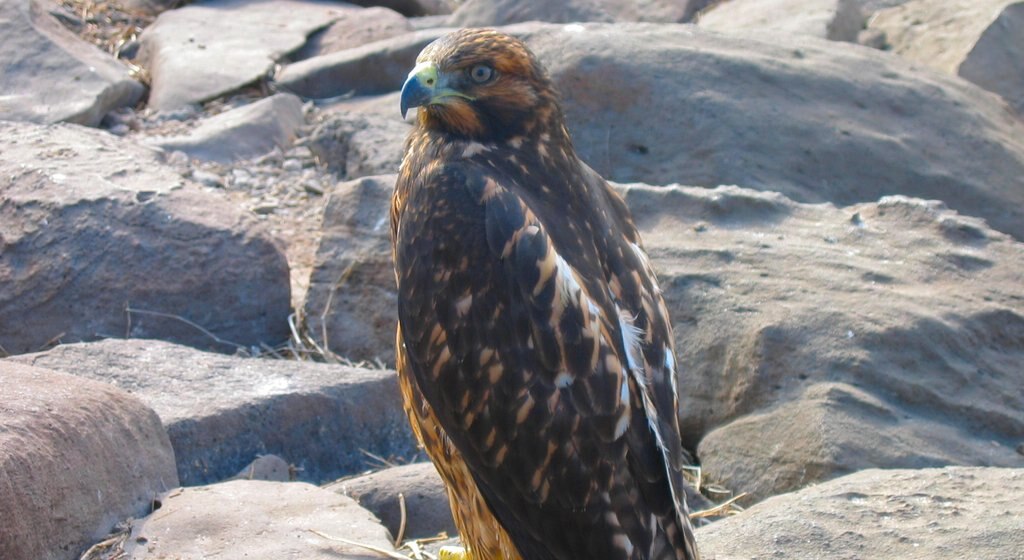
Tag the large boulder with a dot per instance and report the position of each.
(816, 120)
(244, 132)
(257, 519)
(76, 458)
(979, 40)
(815, 341)
(355, 28)
(99, 238)
(413, 495)
(352, 303)
(221, 412)
(836, 20)
(214, 47)
(50, 75)
(928, 514)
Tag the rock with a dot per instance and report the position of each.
(426, 500)
(372, 69)
(912, 514)
(980, 41)
(76, 457)
(487, 13)
(242, 133)
(814, 341)
(693, 9)
(211, 48)
(355, 28)
(816, 120)
(355, 143)
(352, 295)
(50, 75)
(412, 8)
(256, 519)
(837, 20)
(221, 412)
(705, 109)
(266, 467)
(92, 225)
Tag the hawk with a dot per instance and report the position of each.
(534, 349)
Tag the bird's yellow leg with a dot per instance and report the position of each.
(453, 553)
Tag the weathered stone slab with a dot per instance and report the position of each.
(222, 412)
(76, 458)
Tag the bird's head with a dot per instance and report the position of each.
(480, 84)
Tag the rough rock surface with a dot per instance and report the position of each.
(371, 69)
(354, 140)
(246, 132)
(193, 56)
(488, 13)
(980, 40)
(256, 519)
(352, 296)
(816, 120)
(222, 411)
(51, 75)
(355, 28)
(426, 500)
(92, 225)
(836, 20)
(76, 457)
(815, 341)
(928, 514)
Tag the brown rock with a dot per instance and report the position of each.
(979, 40)
(76, 457)
(256, 519)
(50, 75)
(222, 411)
(815, 341)
(926, 514)
(355, 28)
(92, 225)
(426, 500)
(352, 296)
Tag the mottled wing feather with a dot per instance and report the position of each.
(524, 362)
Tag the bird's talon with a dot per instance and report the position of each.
(453, 553)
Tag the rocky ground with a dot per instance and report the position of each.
(198, 306)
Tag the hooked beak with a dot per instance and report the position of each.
(426, 86)
(419, 86)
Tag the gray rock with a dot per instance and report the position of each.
(358, 143)
(76, 457)
(222, 412)
(355, 28)
(979, 40)
(426, 500)
(242, 133)
(486, 13)
(266, 467)
(352, 296)
(816, 120)
(50, 75)
(412, 8)
(256, 519)
(211, 48)
(814, 341)
(837, 20)
(929, 514)
(372, 69)
(92, 225)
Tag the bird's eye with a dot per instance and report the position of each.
(481, 73)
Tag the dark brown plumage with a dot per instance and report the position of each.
(534, 349)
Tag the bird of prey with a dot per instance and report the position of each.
(534, 349)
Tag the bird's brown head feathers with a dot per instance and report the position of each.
(481, 85)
